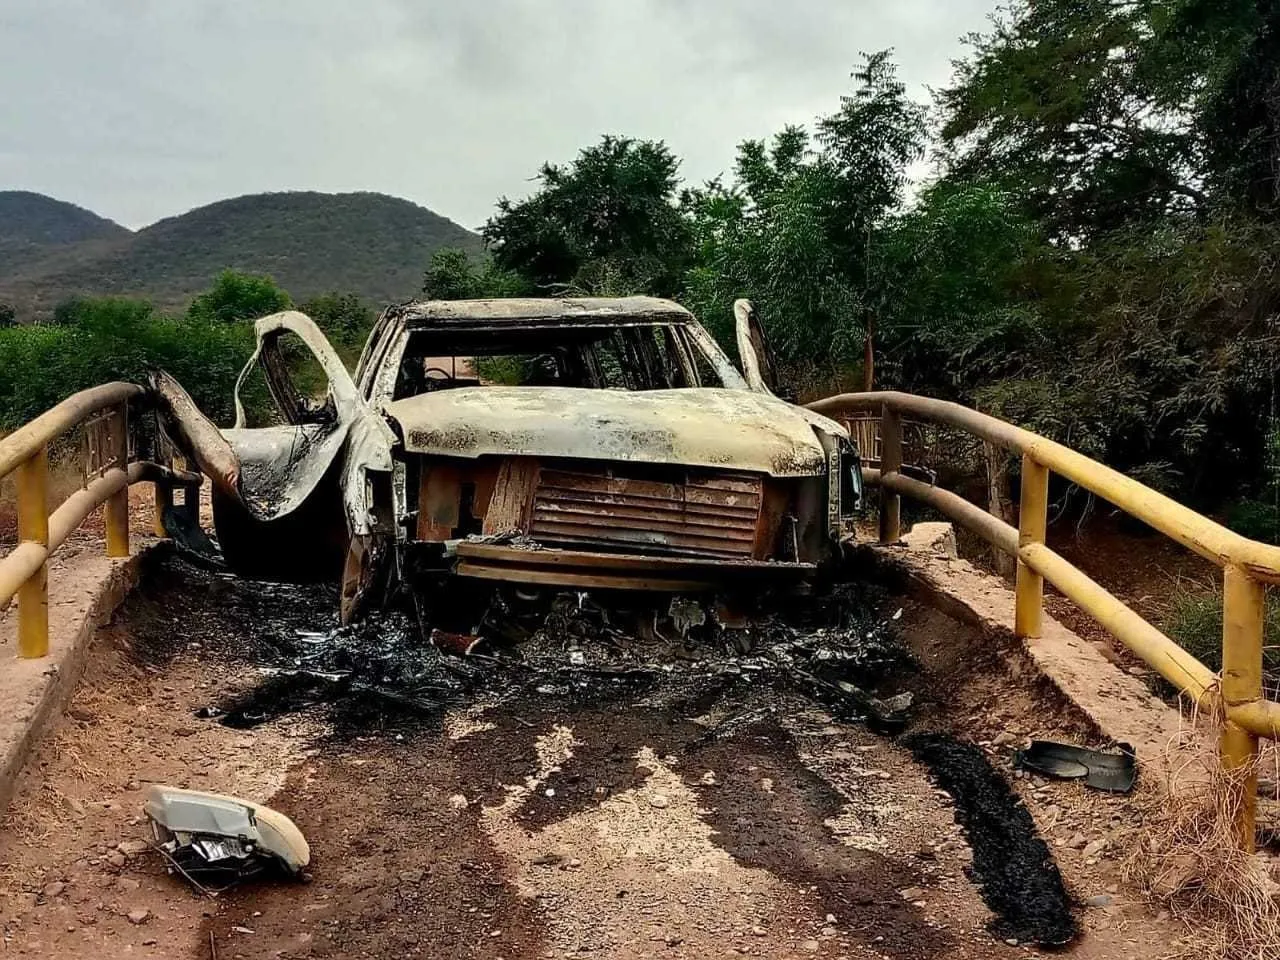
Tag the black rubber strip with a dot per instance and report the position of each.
(1012, 866)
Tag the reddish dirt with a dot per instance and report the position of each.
(534, 827)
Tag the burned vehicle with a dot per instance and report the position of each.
(573, 442)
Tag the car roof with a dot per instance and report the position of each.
(517, 312)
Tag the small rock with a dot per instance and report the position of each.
(924, 853)
(828, 931)
(1078, 841)
(458, 802)
(811, 945)
(1003, 738)
(1095, 847)
(573, 864)
(117, 859)
(410, 876)
(1012, 941)
(141, 915)
(1101, 900)
(660, 801)
(149, 942)
(53, 889)
(674, 940)
(759, 931)
(126, 885)
(911, 893)
(245, 930)
(131, 848)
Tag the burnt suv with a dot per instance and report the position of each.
(576, 442)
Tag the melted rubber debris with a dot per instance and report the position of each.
(502, 643)
(1013, 867)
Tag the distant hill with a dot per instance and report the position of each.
(366, 243)
(32, 225)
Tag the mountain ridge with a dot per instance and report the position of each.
(368, 243)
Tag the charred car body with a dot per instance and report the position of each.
(575, 442)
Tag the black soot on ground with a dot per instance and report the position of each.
(400, 668)
(637, 669)
(1017, 874)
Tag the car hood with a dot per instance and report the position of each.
(706, 427)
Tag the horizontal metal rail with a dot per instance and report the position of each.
(25, 454)
(1247, 565)
(25, 442)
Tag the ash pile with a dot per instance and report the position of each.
(401, 667)
(830, 646)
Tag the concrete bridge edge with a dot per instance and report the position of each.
(1120, 706)
(85, 590)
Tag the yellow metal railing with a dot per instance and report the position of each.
(1247, 565)
(25, 454)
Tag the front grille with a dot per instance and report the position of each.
(702, 515)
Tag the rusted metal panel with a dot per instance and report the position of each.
(439, 493)
(732, 430)
(773, 506)
(512, 491)
(589, 569)
(706, 515)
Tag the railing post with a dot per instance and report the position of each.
(1033, 513)
(32, 479)
(163, 499)
(117, 511)
(1242, 625)
(890, 462)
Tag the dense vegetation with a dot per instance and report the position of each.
(367, 243)
(98, 339)
(1094, 255)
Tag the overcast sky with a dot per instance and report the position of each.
(140, 109)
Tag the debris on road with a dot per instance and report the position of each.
(1112, 772)
(216, 841)
(1014, 867)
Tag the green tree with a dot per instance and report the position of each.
(1064, 102)
(239, 296)
(800, 229)
(452, 274)
(8, 315)
(963, 282)
(342, 316)
(608, 223)
(66, 313)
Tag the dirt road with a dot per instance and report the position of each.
(624, 821)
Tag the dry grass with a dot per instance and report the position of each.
(1188, 860)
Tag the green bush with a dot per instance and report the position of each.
(117, 339)
(1255, 519)
(1194, 622)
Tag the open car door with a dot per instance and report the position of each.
(758, 365)
(287, 497)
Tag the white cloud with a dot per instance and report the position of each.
(140, 109)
